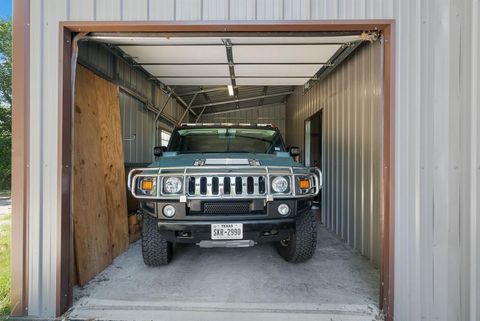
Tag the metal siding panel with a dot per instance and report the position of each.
(269, 9)
(135, 10)
(350, 157)
(136, 119)
(471, 284)
(271, 114)
(161, 10)
(35, 171)
(344, 194)
(43, 156)
(188, 9)
(296, 9)
(129, 129)
(52, 11)
(81, 10)
(108, 10)
(335, 146)
(97, 57)
(242, 10)
(215, 10)
(351, 101)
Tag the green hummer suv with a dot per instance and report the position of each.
(226, 185)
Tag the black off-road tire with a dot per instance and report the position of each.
(301, 245)
(156, 250)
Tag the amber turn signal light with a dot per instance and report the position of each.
(304, 183)
(147, 185)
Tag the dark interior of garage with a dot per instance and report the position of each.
(324, 93)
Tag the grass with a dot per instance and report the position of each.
(5, 231)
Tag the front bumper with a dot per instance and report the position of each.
(265, 230)
(262, 224)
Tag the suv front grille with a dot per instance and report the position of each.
(226, 208)
(226, 186)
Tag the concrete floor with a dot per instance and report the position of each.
(241, 284)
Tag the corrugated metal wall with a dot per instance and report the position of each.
(137, 119)
(437, 257)
(351, 102)
(271, 114)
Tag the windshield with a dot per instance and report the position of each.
(221, 140)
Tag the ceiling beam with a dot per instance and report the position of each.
(264, 92)
(208, 100)
(231, 67)
(200, 114)
(230, 77)
(232, 110)
(205, 96)
(339, 56)
(286, 93)
(204, 91)
(187, 109)
(227, 64)
(219, 34)
(233, 44)
(180, 100)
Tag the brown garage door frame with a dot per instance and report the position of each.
(21, 144)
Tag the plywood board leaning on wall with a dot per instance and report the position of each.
(99, 199)
(113, 165)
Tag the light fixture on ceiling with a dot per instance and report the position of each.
(230, 90)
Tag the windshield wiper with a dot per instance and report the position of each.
(188, 152)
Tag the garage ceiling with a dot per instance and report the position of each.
(262, 70)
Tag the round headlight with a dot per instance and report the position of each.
(283, 209)
(169, 211)
(172, 185)
(279, 184)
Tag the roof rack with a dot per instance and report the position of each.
(224, 124)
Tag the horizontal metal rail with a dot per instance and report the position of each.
(198, 171)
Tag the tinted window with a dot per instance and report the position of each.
(219, 140)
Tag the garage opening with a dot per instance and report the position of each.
(323, 91)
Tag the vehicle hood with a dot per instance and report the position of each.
(180, 160)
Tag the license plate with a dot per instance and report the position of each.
(230, 231)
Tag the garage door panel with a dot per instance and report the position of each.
(188, 70)
(284, 54)
(271, 81)
(150, 40)
(195, 81)
(176, 54)
(277, 70)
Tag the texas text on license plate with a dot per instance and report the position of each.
(228, 231)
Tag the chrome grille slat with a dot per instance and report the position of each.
(233, 186)
(197, 185)
(220, 185)
(209, 186)
(244, 185)
(226, 186)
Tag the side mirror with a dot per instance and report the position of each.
(294, 151)
(159, 150)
